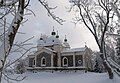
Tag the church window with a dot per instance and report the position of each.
(34, 62)
(43, 61)
(80, 62)
(65, 61)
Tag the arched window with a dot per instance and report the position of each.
(80, 62)
(43, 61)
(65, 61)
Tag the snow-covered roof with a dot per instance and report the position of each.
(49, 41)
(49, 49)
(31, 55)
(53, 40)
(46, 49)
(66, 44)
(41, 42)
(82, 49)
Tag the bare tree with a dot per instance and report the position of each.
(16, 10)
(99, 18)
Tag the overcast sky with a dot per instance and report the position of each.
(42, 24)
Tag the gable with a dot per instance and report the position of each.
(44, 50)
(44, 54)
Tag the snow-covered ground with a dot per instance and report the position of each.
(62, 77)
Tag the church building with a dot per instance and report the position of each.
(52, 53)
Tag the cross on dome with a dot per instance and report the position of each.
(53, 32)
(57, 36)
(41, 37)
(65, 40)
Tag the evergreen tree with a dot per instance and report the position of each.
(96, 67)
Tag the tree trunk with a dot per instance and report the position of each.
(106, 65)
(109, 70)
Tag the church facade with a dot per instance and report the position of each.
(52, 54)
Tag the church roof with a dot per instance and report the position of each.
(52, 40)
(49, 49)
(48, 41)
(40, 42)
(82, 49)
(43, 50)
(66, 44)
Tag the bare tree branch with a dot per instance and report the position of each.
(56, 18)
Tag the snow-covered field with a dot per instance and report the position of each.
(62, 77)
